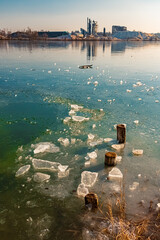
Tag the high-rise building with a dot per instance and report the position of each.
(94, 27)
(89, 26)
(104, 31)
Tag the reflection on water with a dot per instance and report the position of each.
(90, 47)
(39, 81)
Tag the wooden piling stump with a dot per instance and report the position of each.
(91, 199)
(121, 133)
(110, 159)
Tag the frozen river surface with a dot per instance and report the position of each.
(57, 121)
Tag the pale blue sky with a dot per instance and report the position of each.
(143, 15)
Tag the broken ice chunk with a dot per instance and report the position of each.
(73, 140)
(133, 186)
(158, 207)
(39, 164)
(72, 112)
(67, 119)
(106, 140)
(62, 168)
(62, 171)
(64, 141)
(139, 84)
(40, 177)
(23, 170)
(88, 178)
(91, 136)
(95, 83)
(45, 147)
(137, 151)
(63, 174)
(92, 155)
(79, 119)
(82, 190)
(118, 146)
(119, 158)
(87, 163)
(76, 107)
(115, 173)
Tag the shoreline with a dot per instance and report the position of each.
(83, 40)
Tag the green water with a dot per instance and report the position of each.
(38, 82)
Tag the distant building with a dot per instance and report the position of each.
(94, 27)
(118, 29)
(104, 31)
(83, 31)
(89, 26)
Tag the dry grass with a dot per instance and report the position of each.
(122, 229)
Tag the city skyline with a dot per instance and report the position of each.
(68, 15)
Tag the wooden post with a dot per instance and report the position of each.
(91, 199)
(121, 133)
(110, 158)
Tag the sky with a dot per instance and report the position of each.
(68, 15)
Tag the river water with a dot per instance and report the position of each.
(38, 84)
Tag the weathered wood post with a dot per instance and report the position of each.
(110, 159)
(121, 133)
(91, 199)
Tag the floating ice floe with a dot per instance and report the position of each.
(76, 107)
(91, 136)
(139, 84)
(79, 119)
(23, 170)
(115, 173)
(133, 186)
(82, 190)
(107, 140)
(95, 83)
(137, 151)
(62, 168)
(95, 143)
(64, 141)
(45, 147)
(67, 119)
(92, 155)
(136, 121)
(158, 207)
(63, 174)
(88, 178)
(40, 177)
(63, 171)
(118, 146)
(73, 140)
(87, 163)
(119, 158)
(128, 90)
(72, 112)
(39, 164)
